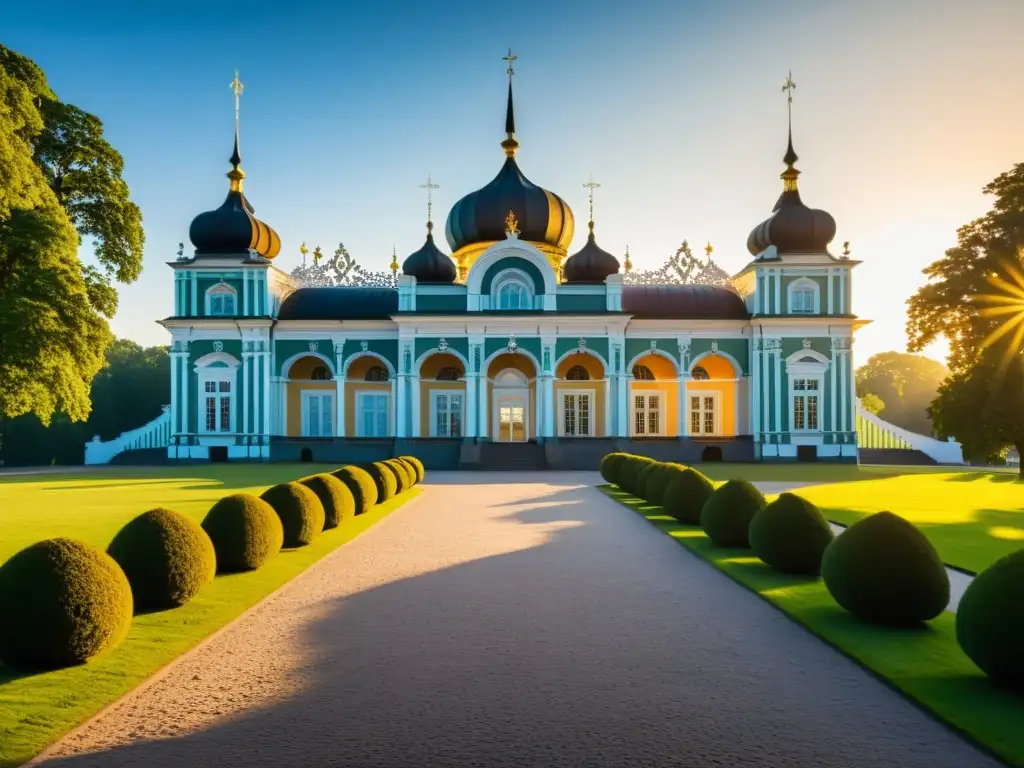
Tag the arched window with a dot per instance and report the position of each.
(449, 373)
(376, 373)
(700, 373)
(803, 297)
(577, 373)
(514, 294)
(320, 373)
(642, 373)
(221, 301)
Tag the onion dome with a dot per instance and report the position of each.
(544, 218)
(590, 264)
(793, 227)
(233, 228)
(430, 264)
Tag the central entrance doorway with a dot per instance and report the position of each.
(511, 410)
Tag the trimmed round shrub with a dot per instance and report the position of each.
(643, 477)
(686, 494)
(610, 465)
(417, 467)
(245, 531)
(338, 501)
(361, 484)
(990, 621)
(301, 513)
(658, 480)
(882, 569)
(629, 473)
(384, 478)
(62, 602)
(790, 535)
(402, 474)
(726, 516)
(166, 557)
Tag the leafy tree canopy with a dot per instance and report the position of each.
(872, 403)
(905, 385)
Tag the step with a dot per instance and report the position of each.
(893, 456)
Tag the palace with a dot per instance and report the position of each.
(511, 351)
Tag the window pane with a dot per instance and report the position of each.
(798, 412)
(225, 414)
(326, 416)
(225, 386)
(211, 414)
(211, 386)
(217, 304)
(653, 421)
(709, 421)
(812, 412)
(313, 416)
(229, 304)
(584, 415)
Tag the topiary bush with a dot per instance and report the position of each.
(301, 513)
(403, 476)
(338, 501)
(417, 467)
(726, 516)
(790, 535)
(166, 557)
(62, 602)
(361, 484)
(647, 472)
(384, 478)
(882, 569)
(658, 480)
(629, 474)
(686, 494)
(990, 621)
(610, 465)
(245, 531)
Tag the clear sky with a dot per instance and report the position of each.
(903, 111)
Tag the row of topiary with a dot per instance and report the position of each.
(882, 569)
(63, 601)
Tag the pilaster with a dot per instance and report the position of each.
(339, 387)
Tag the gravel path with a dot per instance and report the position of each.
(514, 621)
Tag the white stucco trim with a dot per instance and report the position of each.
(736, 367)
(586, 351)
(353, 357)
(287, 364)
(656, 352)
(436, 351)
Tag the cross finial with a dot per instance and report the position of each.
(430, 187)
(237, 87)
(790, 158)
(510, 58)
(394, 259)
(708, 249)
(236, 174)
(590, 186)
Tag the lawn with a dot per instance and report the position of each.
(36, 709)
(924, 664)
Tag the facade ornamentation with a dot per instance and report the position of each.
(513, 345)
(714, 347)
(218, 346)
(364, 345)
(313, 346)
(442, 344)
(476, 358)
(339, 270)
(654, 344)
(807, 343)
(339, 348)
(681, 268)
(581, 348)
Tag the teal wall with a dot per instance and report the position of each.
(458, 344)
(582, 303)
(530, 344)
(635, 347)
(512, 262)
(820, 281)
(455, 302)
(598, 344)
(256, 285)
(738, 349)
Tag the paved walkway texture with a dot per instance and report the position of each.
(511, 620)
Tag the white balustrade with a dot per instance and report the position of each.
(155, 434)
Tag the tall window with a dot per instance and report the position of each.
(576, 414)
(806, 399)
(221, 300)
(217, 402)
(703, 414)
(372, 414)
(449, 373)
(320, 373)
(642, 373)
(447, 417)
(577, 373)
(376, 373)
(647, 415)
(803, 297)
(513, 294)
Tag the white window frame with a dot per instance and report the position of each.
(662, 411)
(716, 395)
(221, 289)
(799, 285)
(811, 365)
(591, 412)
(433, 393)
(217, 375)
(305, 396)
(513, 277)
(360, 396)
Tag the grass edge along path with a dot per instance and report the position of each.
(37, 709)
(926, 665)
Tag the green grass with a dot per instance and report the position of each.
(36, 709)
(924, 664)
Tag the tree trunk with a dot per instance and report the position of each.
(1019, 445)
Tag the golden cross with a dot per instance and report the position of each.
(430, 187)
(591, 186)
(787, 88)
(510, 58)
(237, 87)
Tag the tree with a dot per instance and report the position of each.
(872, 403)
(905, 384)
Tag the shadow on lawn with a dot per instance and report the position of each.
(601, 645)
(992, 477)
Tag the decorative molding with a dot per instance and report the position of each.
(339, 348)
(513, 345)
(218, 346)
(442, 344)
(364, 345)
(314, 346)
(807, 343)
(714, 347)
(340, 269)
(581, 346)
(654, 344)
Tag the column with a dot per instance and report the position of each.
(766, 390)
(851, 384)
(755, 389)
(843, 390)
(609, 429)
(834, 383)
(175, 365)
(778, 291)
(339, 388)
(245, 292)
(246, 369)
(472, 385)
(185, 426)
(400, 388)
(415, 394)
(482, 424)
(777, 353)
(683, 427)
(549, 406)
(194, 309)
(268, 393)
(394, 407)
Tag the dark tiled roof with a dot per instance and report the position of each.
(342, 303)
(711, 302)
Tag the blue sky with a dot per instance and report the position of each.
(902, 112)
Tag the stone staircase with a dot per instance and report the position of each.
(891, 456)
(512, 457)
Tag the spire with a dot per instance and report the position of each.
(430, 187)
(236, 174)
(590, 186)
(789, 176)
(510, 145)
(394, 260)
(627, 265)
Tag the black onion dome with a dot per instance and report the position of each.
(430, 264)
(793, 227)
(233, 228)
(590, 264)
